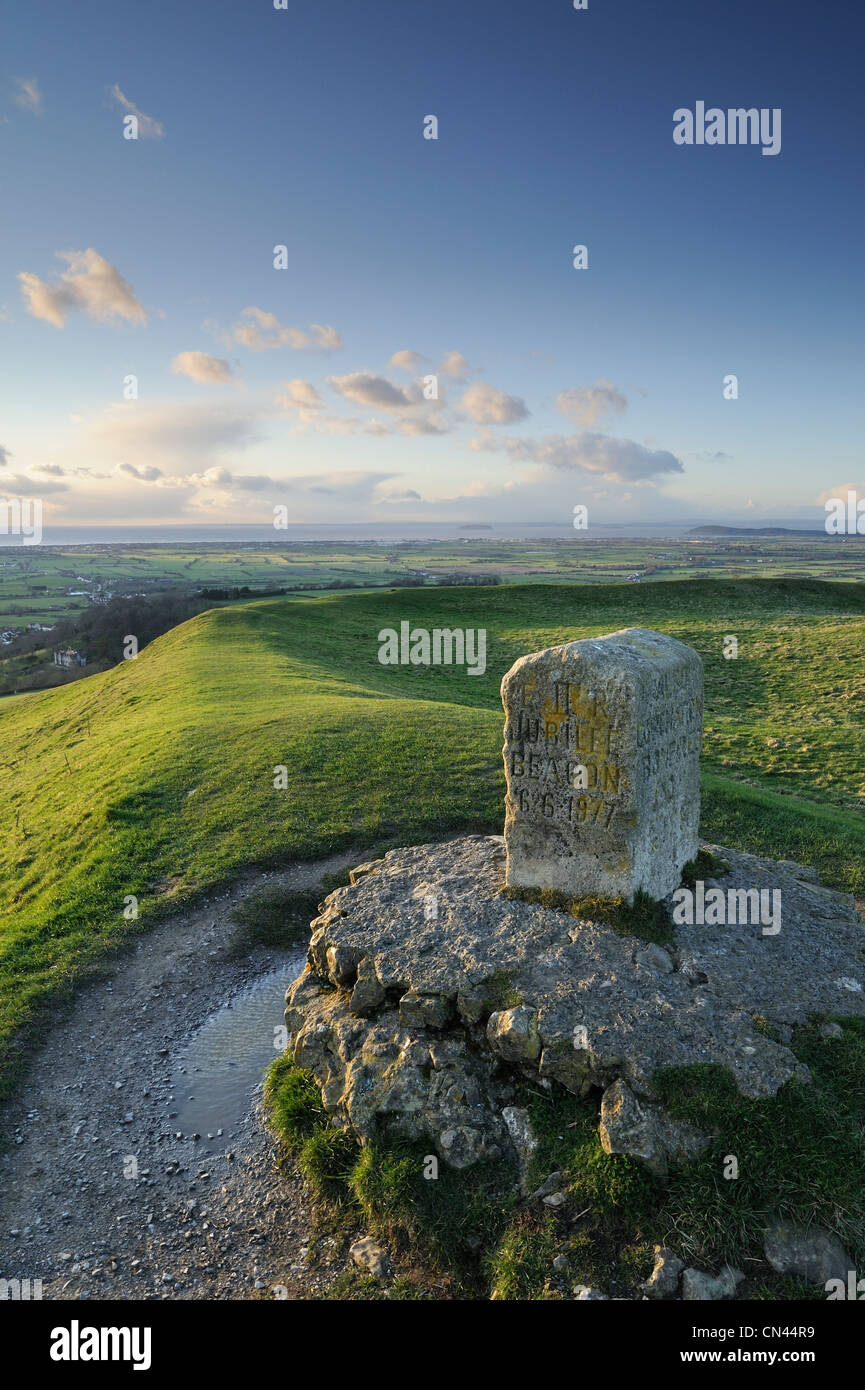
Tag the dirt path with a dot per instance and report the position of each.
(190, 1224)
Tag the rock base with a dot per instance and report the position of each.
(428, 996)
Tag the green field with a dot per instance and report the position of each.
(35, 581)
(155, 778)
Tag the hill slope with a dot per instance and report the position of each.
(156, 779)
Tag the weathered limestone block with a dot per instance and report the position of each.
(519, 1126)
(514, 1033)
(642, 1130)
(602, 751)
(378, 1072)
(399, 1013)
(424, 1010)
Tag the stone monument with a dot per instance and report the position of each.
(602, 753)
(427, 1023)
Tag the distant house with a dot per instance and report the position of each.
(635, 578)
(67, 656)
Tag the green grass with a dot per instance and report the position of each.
(799, 1153)
(499, 992)
(272, 917)
(704, 865)
(443, 1223)
(644, 917)
(156, 779)
(278, 917)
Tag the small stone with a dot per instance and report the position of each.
(663, 1282)
(584, 1293)
(654, 957)
(811, 1252)
(523, 1139)
(550, 1184)
(342, 963)
(461, 1146)
(555, 1199)
(698, 1286)
(423, 1010)
(630, 1126)
(561, 1263)
(372, 1257)
(831, 1030)
(514, 1034)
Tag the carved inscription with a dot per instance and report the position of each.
(561, 752)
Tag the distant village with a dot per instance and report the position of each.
(64, 657)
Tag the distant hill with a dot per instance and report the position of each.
(815, 534)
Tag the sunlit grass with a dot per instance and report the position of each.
(156, 779)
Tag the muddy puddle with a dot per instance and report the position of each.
(217, 1072)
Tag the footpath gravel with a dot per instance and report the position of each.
(190, 1224)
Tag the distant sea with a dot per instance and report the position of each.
(369, 532)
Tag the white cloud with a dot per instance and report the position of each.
(201, 367)
(148, 128)
(406, 360)
(616, 460)
(368, 389)
(20, 485)
(434, 423)
(90, 285)
(224, 478)
(407, 498)
(454, 365)
(587, 405)
(148, 474)
(28, 94)
(841, 491)
(351, 424)
(261, 331)
(487, 406)
(180, 436)
(347, 485)
(300, 396)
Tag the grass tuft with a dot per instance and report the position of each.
(272, 917)
(644, 918)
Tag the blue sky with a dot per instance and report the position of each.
(304, 127)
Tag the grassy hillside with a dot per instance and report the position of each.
(155, 779)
